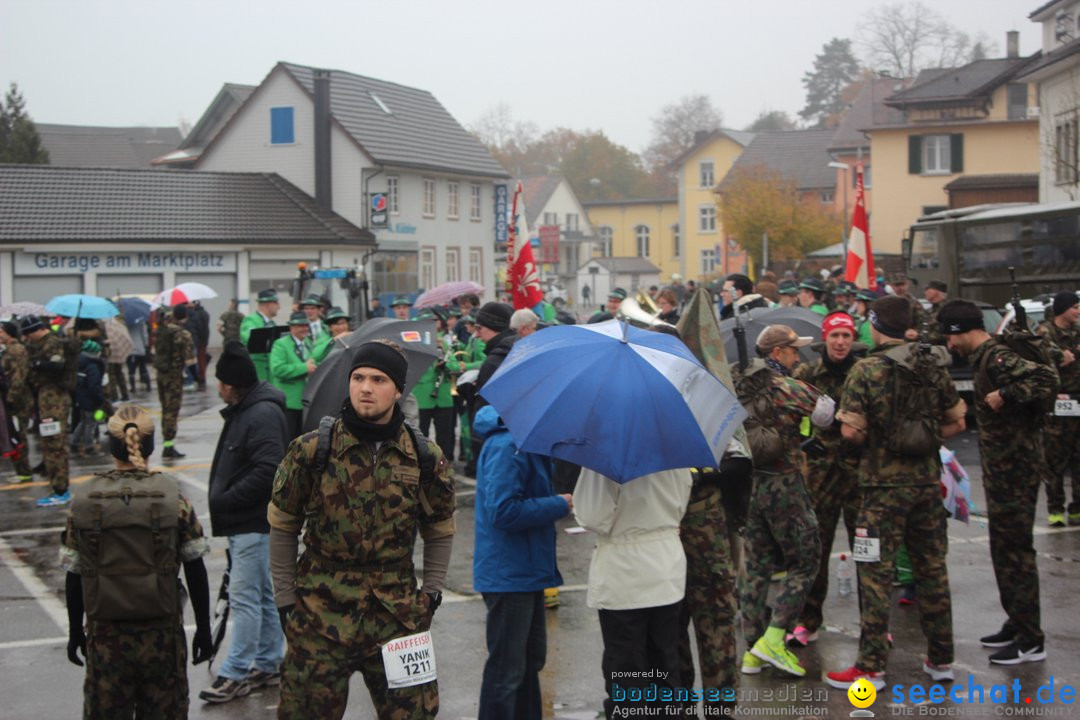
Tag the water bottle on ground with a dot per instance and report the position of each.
(843, 576)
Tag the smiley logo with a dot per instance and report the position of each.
(862, 693)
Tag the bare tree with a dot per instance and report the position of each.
(674, 128)
(904, 38)
(507, 139)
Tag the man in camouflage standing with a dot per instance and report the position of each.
(1063, 432)
(898, 404)
(781, 531)
(17, 397)
(174, 350)
(354, 588)
(47, 365)
(1007, 394)
(229, 323)
(833, 464)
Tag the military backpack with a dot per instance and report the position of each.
(72, 344)
(914, 426)
(126, 530)
(754, 388)
(164, 341)
(1033, 348)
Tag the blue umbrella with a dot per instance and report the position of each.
(136, 310)
(621, 401)
(81, 306)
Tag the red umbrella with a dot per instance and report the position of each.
(182, 294)
(446, 293)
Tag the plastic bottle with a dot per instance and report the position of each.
(843, 576)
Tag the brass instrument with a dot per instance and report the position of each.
(647, 303)
(632, 311)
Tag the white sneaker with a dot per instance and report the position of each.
(938, 672)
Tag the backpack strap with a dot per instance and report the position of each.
(322, 444)
(426, 460)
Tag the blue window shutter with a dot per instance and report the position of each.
(281, 126)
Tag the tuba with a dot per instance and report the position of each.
(631, 309)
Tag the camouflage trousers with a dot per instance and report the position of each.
(1011, 497)
(781, 535)
(55, 403)
(890, 516)
(710, 595)
(118, 382)
(135, 673)
(1061, 438)
(316, 671)
(834, 491)
(18, 438)
(170, 393)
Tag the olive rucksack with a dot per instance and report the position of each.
(1033, 348)
(72, 348)
(753, 386)
(914, 427)
(126, 530)
(163, 347)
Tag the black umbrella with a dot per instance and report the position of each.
(221, 614)
(328, 386)
(802, 321)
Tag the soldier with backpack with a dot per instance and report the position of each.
(1063, 432)
(174, 350)
(1012, 397)
(51, 378)
(361, 488)
(898, 404)
(129, 532)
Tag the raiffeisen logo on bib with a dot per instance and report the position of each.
(1052, 698)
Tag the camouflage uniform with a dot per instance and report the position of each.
(710, 587)
(781, 530)
(230, 325)
(355, 582)
(138, 669)
(19, 400)
(53, 403)
(901, 503)
(1062, 434)
(170, 375)
(832, 479)
(1013, 467)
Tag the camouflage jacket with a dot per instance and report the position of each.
(16, 364)
(1019, 381)
(360, 520)
(830, 381)
(230, 324)
(192, 543)
(793, 400)
(866, 404)
(46, 353)
(183, 348)
(1068, 339)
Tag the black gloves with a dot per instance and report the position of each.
(76, 642)
(202, 646)
(283, 615)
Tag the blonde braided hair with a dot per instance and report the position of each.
(132, 424)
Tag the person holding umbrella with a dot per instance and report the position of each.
(291, 363)
(251, 445)
(263, 317)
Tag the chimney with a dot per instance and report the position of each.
(1012, 44)
(323, 193)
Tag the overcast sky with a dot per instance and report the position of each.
(583, 64)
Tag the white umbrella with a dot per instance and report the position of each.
(181, 294)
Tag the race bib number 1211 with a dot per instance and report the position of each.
(409, 660)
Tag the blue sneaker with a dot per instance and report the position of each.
(55, 500)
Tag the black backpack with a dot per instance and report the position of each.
(72, 349)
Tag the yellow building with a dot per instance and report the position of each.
(704, 251)
(971, 120)
(646, 228)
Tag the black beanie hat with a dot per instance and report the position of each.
(960, 316)
(179, 312)
(31, 323)
(383, 357)
(891, 316)
(1063, 301)
(235, 367)
(495, 316)
(11, 328)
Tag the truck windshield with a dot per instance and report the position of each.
(925, 250)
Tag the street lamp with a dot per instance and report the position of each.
(844, 233)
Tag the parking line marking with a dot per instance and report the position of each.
(25, 574)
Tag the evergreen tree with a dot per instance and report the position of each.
(833, 70)
(19, 138)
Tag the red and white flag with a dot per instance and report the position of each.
(522, 276)
(860, 257)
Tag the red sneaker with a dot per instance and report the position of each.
(842, 680)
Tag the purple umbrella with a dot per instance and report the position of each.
(446, 293)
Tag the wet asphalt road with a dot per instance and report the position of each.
(39, 684)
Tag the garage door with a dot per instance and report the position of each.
(225, 287)
(113, 285)
(42, 289)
